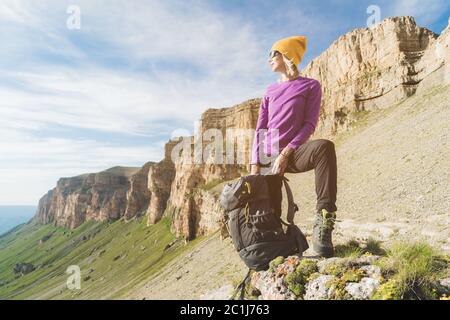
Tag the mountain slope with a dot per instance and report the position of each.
(112, 257)
(404, 198)
(393, 176)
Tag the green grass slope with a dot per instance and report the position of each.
(113, 258)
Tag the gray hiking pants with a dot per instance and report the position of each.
(320, 155)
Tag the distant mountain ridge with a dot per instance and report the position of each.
(11, 216)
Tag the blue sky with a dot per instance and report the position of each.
(138, 72)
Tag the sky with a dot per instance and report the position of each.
(112, 87)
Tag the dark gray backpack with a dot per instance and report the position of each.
(255, 228)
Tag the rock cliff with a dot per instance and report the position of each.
(371, 68)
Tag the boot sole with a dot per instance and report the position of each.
(325, 252)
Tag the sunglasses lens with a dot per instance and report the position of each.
(272, 54)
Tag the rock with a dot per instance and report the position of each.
(272, 283)
(159, 181)
(365, 260)
(271, 287)
(23, 268)
(44, 239)
(306, 278)
(358, 71)
(170, 245)
(362, 290)
(372, 271)
(326, 263)
(445, 283)
(97, 196)
(317, 289)
(138, 194)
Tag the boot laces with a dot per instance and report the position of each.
(326, 221)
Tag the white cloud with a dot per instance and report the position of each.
(39, 94)
(30, 166)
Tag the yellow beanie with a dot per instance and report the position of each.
(292, 47)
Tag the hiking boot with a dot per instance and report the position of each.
(323, 227)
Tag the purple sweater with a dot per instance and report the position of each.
(293, 108)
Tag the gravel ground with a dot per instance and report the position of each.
(393, 176)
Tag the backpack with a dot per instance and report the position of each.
(256, 230)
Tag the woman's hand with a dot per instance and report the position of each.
(280, 164)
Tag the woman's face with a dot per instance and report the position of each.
(276, 61)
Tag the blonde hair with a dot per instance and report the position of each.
(291, 68)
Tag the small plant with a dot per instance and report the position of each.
(353, 275)
(374, 247)
(338, 284)
(390, 290)
(352, 249)
(297, 280)
(275, 263)
(413, 270)
(336, 269)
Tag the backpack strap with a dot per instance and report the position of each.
(292, 206)
(241, 287)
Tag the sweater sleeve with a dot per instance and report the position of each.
(261, 124)
(312, 112)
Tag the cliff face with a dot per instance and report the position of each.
(96, 196)
(159, 180)
(187, 200)
(364, 69)
(371, 68)
(109, 195)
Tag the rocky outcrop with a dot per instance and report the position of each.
(44, 212)
(349, 278)
(160, 179)
(371, 68)
(138, 195)
(97, 196)
(192, 210)
(365, 69)
(434, 67)
(23, 268)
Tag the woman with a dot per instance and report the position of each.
(288, 116)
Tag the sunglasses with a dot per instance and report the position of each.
(273, 53)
